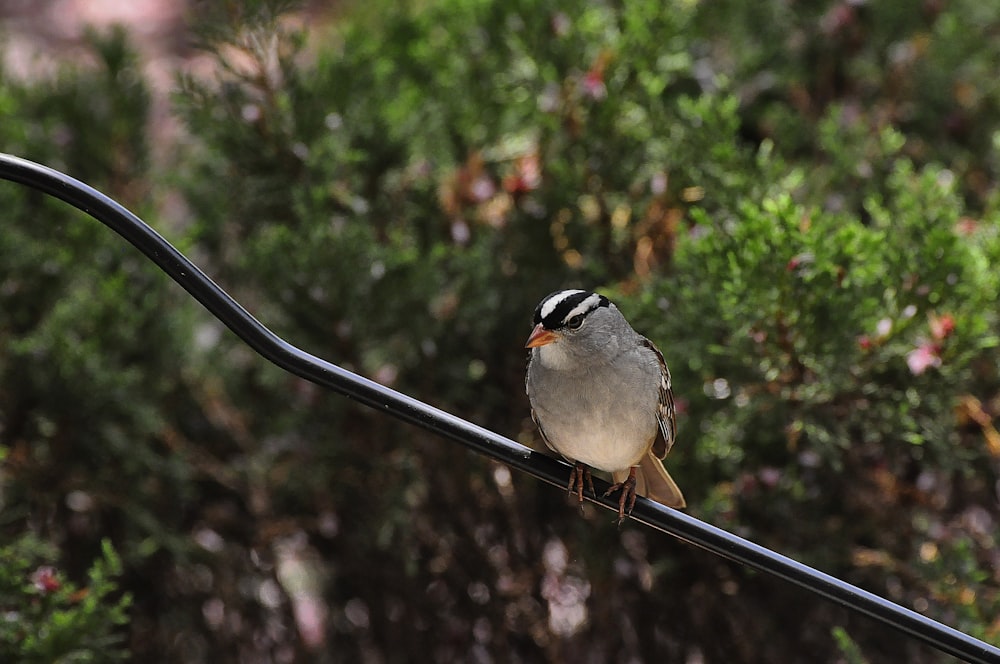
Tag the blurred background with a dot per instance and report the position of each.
(797, 201)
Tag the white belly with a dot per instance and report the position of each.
(607, 448)
(606, 426)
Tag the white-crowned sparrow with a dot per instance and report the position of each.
(600, 395)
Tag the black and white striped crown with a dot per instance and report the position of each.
(557, 308)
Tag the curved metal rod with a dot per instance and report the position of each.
(483, 441)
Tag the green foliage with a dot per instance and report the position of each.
(798, 299)
(48, 618)
(90, 367)
(851, 651)
(88, 362)
(834, 365)
(881, 65)
(797, 204)
(92, 123)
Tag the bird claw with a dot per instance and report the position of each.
(627, 498)
(577, 477)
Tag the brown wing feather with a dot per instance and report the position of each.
(666, 415)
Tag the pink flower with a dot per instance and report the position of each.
(593, 85)
(966, 226)
(769, 476)
(923, 357)
(840, 17)
(797, 261)
(560, 24)
(941, 327)
(482, 188)
(883, 328)
(527, 175)
(310, 617)
(865, 342)
(45, 580)
(658, 184)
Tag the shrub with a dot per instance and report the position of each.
(394, 192)
(47, 618)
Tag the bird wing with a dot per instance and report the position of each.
(666, 414)
(545, 439)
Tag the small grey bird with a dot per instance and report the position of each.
(600, 396)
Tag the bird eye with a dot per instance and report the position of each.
(575, 322)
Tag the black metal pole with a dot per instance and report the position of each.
(483, 441)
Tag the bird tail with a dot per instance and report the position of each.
(654, 482)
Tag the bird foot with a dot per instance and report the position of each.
(577, 477)
(627, 499)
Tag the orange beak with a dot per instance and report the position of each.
(540, 337)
